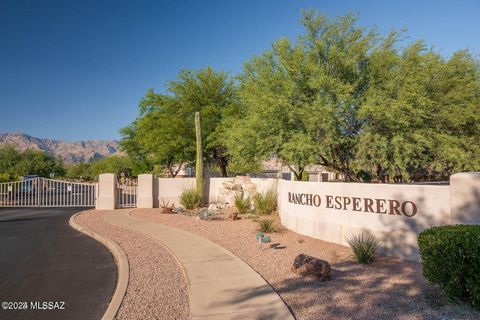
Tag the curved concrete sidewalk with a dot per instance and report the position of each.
(221, 285)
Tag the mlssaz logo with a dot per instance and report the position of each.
(47, 305)
(380, 206)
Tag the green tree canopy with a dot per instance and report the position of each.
(81, 171)
(164, 131)
(301, 100)
(422, 114)
(347, 98)
(14, 164)
(119, 165)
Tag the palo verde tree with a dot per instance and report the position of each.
(301, 100)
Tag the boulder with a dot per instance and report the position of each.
(236, 186)
(167, 210)
(308, 266)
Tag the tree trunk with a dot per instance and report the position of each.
(298, 176)
(223, 170)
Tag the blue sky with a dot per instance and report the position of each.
(76, 70)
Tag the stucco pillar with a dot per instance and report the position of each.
(465, 197)
(107, 195)
(145, 191)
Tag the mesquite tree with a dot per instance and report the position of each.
(354, 101)
(163, 133)
(301, 99)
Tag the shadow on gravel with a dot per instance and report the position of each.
(385, 289)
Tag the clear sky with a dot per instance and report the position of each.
(76, 70)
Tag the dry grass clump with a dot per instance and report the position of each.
(242, 203)
(265, 203)
(364, 247)
(267, 225)
(191, 199)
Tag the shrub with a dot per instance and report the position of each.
(364, 247)
(265, 203)
(451, 259)
(242, 204)
(267, 225)
(191, 199)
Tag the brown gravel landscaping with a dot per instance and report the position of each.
(157, 288)
(387, 289)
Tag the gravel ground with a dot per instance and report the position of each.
(157, 288)
(387, 289)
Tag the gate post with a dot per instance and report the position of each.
(107, 192)
(145, 191)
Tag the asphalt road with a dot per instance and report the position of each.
(43, 260)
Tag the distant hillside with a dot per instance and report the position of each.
(69, 152)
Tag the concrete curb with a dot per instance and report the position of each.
(122, 267)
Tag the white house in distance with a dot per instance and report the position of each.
(274, 168)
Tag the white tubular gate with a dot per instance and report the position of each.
(127, 194)
(42, 192)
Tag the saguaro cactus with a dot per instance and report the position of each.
(199, 162)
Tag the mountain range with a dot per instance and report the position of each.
(69, 152)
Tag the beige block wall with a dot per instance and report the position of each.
(215, 186)
(397, 233)
(170, 189)
(264, 184)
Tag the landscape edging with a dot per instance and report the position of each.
(123, 268)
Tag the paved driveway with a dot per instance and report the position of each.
(47, 264)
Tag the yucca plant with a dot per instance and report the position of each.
(191, 199)
(267, 225)
(265, 203)
(242, 203)
(364, 247)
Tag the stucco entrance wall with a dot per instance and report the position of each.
(394, 214)
(332, 211)
(169, 190)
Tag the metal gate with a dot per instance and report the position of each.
(42, 192)
(127, 194)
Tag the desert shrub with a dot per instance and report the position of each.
(451, 259)
(265, 203)
(242, 203)
(267, 225)
(191, 199)
(364, 247)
